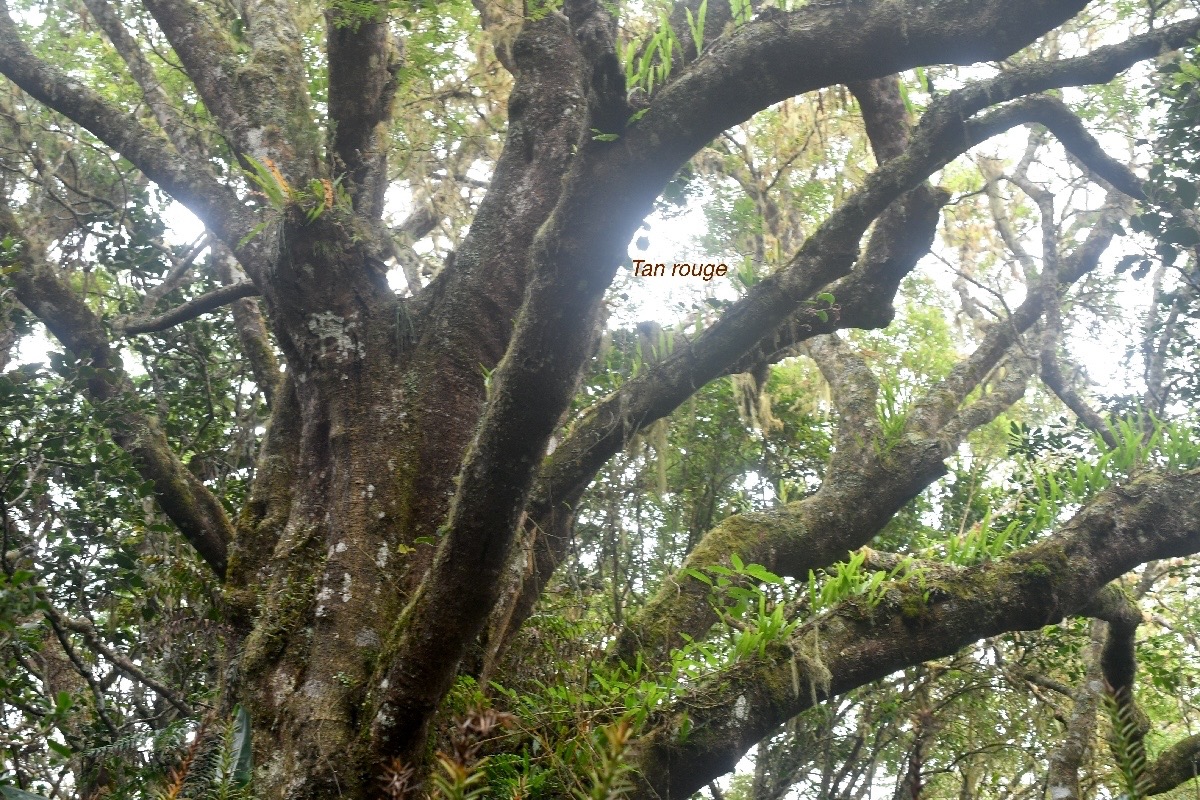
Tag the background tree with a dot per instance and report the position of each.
(428, 486)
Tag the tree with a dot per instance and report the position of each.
(372, 547)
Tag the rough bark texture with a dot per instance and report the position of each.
(1154, 516)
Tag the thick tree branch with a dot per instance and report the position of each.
(207, 55)
(1153, 516)
(1062, 777)
(940, 137)
(188, 181)
(864, 295)
(470, 308)
(885, 115)
(1176, 765)
(197, 306)
(279, 124)
(473, 303)
(131, 53)
(275, 124)
(188, 502)
(1075, 138)
(782, 55)
(251, 327)
(362, 82)
(854, 390)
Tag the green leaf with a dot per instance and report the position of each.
(61, 749)
(13, 793)
(255, 231)
(761, 573)
(243, 754)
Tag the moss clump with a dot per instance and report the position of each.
(1039, 570)
(913, 608)
(271, 631)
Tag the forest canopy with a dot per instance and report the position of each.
(734, 399)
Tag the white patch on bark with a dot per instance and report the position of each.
(254, 140)
(741, 709)
(336, 335)
(322, 596)
(381, 556)
(366, 638)
(295, 784)
(1059, 792)
(281, 684)
(345, 587)
(340, 547)
(274, 770)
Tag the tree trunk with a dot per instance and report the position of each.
(357, 471)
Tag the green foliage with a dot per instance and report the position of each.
(455, 781)
(608, 774)
(983, 543)
(13, 793)
(319, 196)
(1174, 179)
(753, 601)
(892, 412)
(101, 549)
(1126, 742)
(847, 579)
(220, 764)
(353, 13)
(696, 25)
(1062, 467)
(1090, 466)
(741, 10)
(647, 63)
